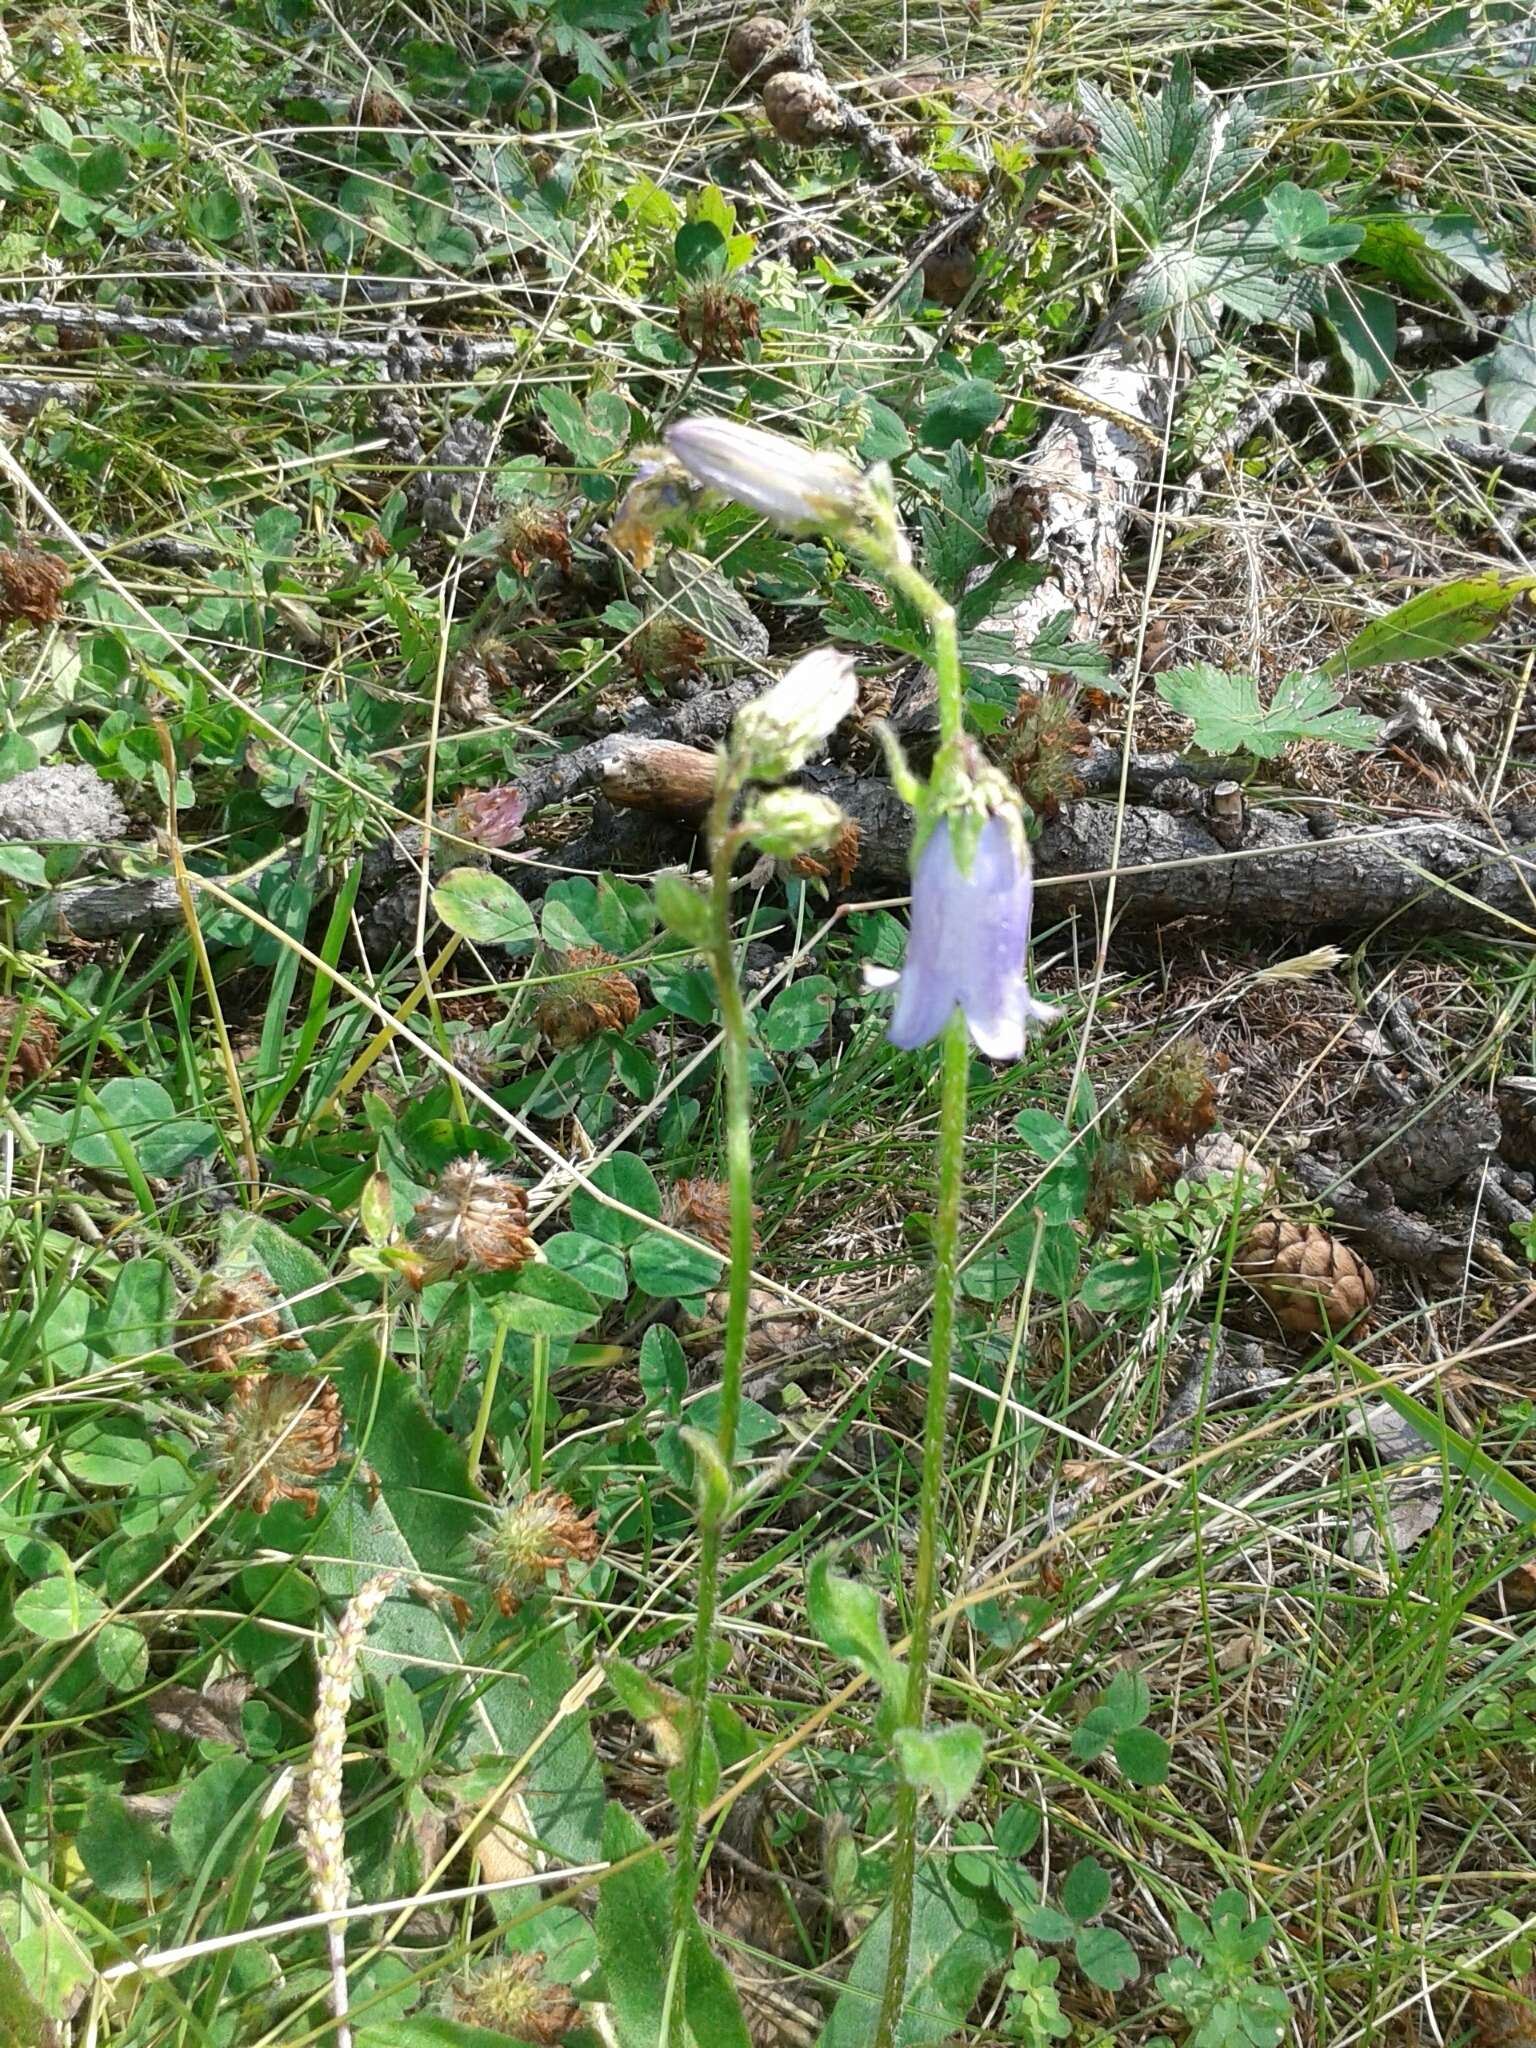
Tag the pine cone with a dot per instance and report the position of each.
(1311, 1281)
(1416, 1155)
(758, 47)
(802, 108)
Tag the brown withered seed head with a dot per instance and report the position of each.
(758, 47)
(230, 1321)
(1016, 518)
(29, 1043)
(949, 273)
(802, 108)
(838, 863)
(507, 1997)
(1062, 131)
(1041, 748)
(540, 1533)
(473, 1218)
(378, 109)
(1131, 1166)
(32, 585)
(281, 1432)
(595, 997)
(704, 1208)
(1173, 1093)
(667, 648)
(715, 321)
(532, 533)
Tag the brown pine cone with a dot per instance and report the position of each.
(758, 47)
(802, 108)
(1311, 1281)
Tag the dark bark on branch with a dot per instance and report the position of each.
(457, 355)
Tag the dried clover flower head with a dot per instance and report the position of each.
(540, 1533)
(281, 1431)
(594, 997)
(667, 648)
(704, 1207)
(378, 109)
(231, 1318)
(1174, 1093)
(532, 533)
(838, 862)
(508, 1997)
(29, 1044)
(32, 585)
(474, 1217)
(1132, 1166)
(716, 322)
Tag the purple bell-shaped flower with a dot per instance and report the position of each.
(969, 944)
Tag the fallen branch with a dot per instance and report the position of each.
(1074, 498)
(457, 355)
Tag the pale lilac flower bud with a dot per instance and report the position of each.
(778, 732)
(768, 473)
(969, 943)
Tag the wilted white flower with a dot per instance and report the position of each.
(776, 733)
(768, 473)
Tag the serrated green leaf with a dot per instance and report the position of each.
(1230, 719)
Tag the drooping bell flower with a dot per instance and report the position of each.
(768, 473)
(969, 943)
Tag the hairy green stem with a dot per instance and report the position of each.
(954, 1079)
(714, 1512)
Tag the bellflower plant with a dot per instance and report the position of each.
(772, 737)
(964, 974)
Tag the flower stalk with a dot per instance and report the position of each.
(965, 980)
